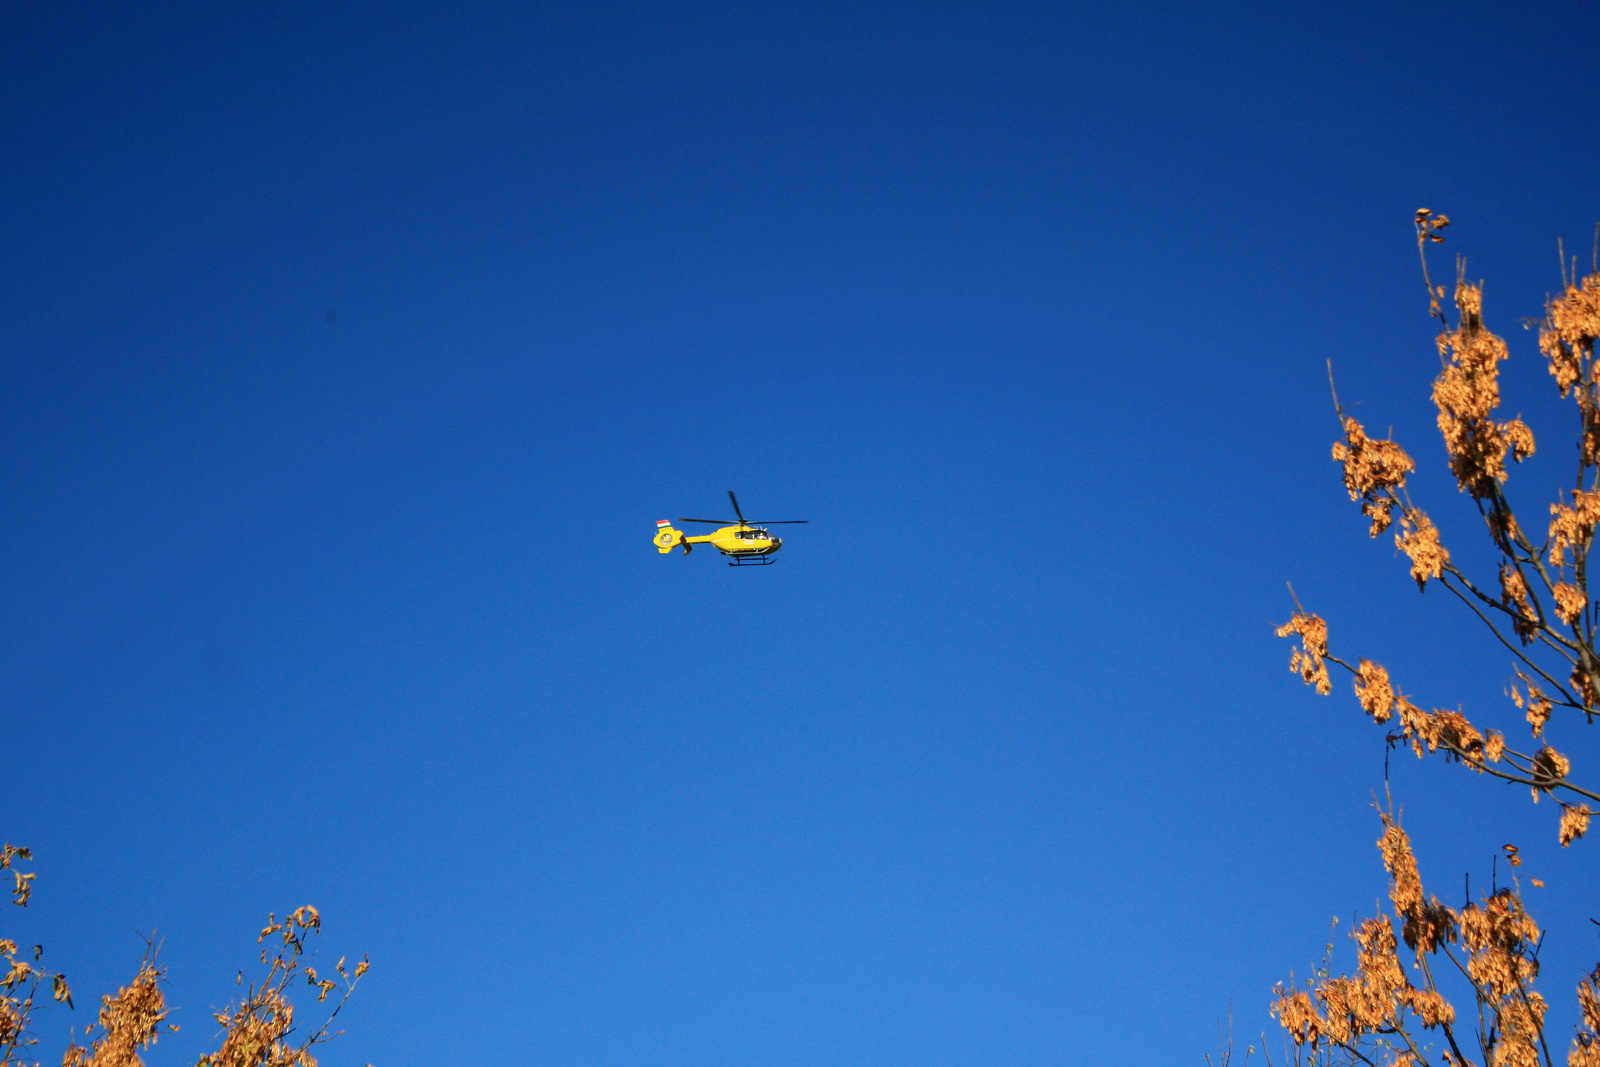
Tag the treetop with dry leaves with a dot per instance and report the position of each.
(257, 1030)
(1538, 607)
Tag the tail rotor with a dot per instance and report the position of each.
(667, 538)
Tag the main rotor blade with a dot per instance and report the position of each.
(714, 522)
(779, 522)
(736, 510)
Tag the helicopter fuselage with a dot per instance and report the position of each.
(740, 541)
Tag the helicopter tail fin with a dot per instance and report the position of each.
(667, 538)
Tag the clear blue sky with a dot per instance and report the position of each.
(350, 353)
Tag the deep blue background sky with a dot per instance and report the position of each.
(1025, 307)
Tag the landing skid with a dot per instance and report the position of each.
(750, 561)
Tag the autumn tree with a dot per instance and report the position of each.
(256, 1030)
(1537, 606)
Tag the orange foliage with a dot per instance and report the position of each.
(1543, 618)
(257, 1029)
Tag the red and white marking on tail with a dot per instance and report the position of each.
(663, 522)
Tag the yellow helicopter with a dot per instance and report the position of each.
(747, 543)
